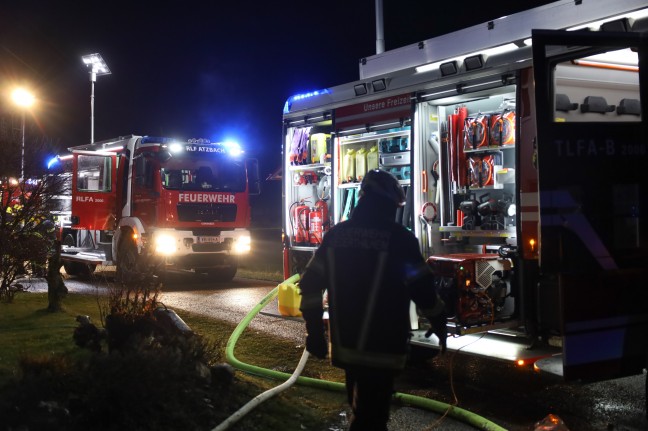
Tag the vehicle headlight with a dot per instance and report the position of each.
(242, 245)
(165, 244)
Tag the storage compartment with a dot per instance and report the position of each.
(478, 198)
(395, 159)
(308, 185)
(388, 150)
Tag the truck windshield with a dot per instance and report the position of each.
(199, 174)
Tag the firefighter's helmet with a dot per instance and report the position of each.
(383, 184)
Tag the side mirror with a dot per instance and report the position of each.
(164, 156)
(254, 180)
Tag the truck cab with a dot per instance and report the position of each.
(186, 203)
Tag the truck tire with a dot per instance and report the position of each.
(69, 240)
(127, 263)
(79, 269)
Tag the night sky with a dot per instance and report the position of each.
(207, 69)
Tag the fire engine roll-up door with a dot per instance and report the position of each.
(94, 191)
(593, 185)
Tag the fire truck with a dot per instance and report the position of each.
(183, 204)
(521, 145)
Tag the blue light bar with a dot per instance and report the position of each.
(52, 161)
(57, 160)
(233, 148)
(156, 140)
(310, 94)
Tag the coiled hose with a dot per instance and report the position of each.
(438, 407)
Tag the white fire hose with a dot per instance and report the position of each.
(254, 402)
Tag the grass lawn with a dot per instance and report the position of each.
(27, 330)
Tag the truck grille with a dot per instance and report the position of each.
(207, 212)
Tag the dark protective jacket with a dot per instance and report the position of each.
(372, 267)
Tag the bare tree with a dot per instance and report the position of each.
(26, 230)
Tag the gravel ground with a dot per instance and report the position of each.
(511, 399)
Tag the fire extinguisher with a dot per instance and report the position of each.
(299, 217)
(318, 220)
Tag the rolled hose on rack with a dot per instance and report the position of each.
(438, 407)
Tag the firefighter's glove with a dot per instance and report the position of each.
(316, 343)
(438, 323)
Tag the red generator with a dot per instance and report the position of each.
(475, 287)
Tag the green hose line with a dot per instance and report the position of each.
(264, 372)
(454, 412)
(412, 400)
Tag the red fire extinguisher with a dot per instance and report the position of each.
(318, 220)
(299, 217)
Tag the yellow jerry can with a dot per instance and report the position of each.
(289, 300)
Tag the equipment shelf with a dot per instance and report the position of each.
(313, 166)
(458, 231)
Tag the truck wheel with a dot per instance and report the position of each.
(68, 240)
(127, 263)
(78, 268)
(223, 274)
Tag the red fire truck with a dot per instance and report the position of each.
(184, 202)
(521, 145)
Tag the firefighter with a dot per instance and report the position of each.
(370, 267)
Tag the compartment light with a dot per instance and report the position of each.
(448, 68)
(485, 53)
(620, 25)
(474, 62)
(360, 89)
(379, 85)
(636, 15)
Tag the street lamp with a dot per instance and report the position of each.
(24, 99)
(97, 67)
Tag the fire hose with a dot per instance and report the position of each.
(438, 407)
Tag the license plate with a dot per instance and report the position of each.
(209, 239)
